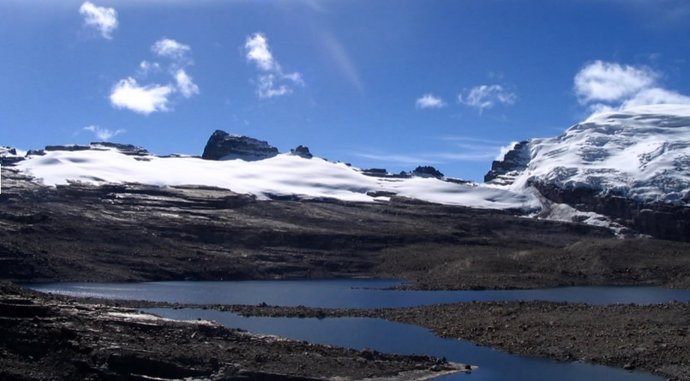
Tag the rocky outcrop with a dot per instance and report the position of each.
(223, 146)
(504, 171)
(427, 171)
(302, 151)
(127, 149)
(658, 219)
(9, 156)
(375, 172)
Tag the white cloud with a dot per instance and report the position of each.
(611, 82)
(185, 84)
(101, 18)
(606, 86)
(147, 67)
(266, 87)
(273, 82)
(148, 98)
(655, 96)
(128, 94)
(487, 96)
(258, 52)
(103, 134)
(430, 101)
(170, 48)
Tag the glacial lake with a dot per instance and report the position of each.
(348, 293)
(378, 334)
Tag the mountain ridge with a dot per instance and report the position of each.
(629, 168)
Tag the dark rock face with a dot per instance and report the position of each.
(223, 146)
(302, 151)
(504, 171)
(377, 172)
(127, 149)
(660, 220)
(74, 147)
(457, 181)
(8, 156)
(8, 151)
(427, 171)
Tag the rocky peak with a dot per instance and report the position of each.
(427, 171)
(9, 156)
(302, 151)
(223, 146)
(7, 151)
(514, 162)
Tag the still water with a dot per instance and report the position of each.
(378, 334)
(348, 293)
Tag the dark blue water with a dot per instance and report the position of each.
(384, 336)
(378, 334)
(348, 293)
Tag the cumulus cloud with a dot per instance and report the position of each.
(154, 97)
(185, 85)
(128, 94)
(605, 81)
(103, 134)
(607, 86)
(487, 96)
(101, 18)
(656, 96)
(170, 48)
(430, 101)
(272, 81)
(259, 53)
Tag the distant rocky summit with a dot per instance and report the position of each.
(302, 151)
(223, 146)
(427, 171)
(513, 163)
(9, 155)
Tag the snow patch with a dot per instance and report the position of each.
(282, 175)
(642, 153)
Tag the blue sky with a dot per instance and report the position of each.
(390, 84)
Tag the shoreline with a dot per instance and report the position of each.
(654, 338)
(42, 337)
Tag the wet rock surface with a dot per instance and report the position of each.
(42, 338)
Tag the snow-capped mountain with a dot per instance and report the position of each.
(628, 167)
(632, 165)
(641, 153)
(280, 176)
